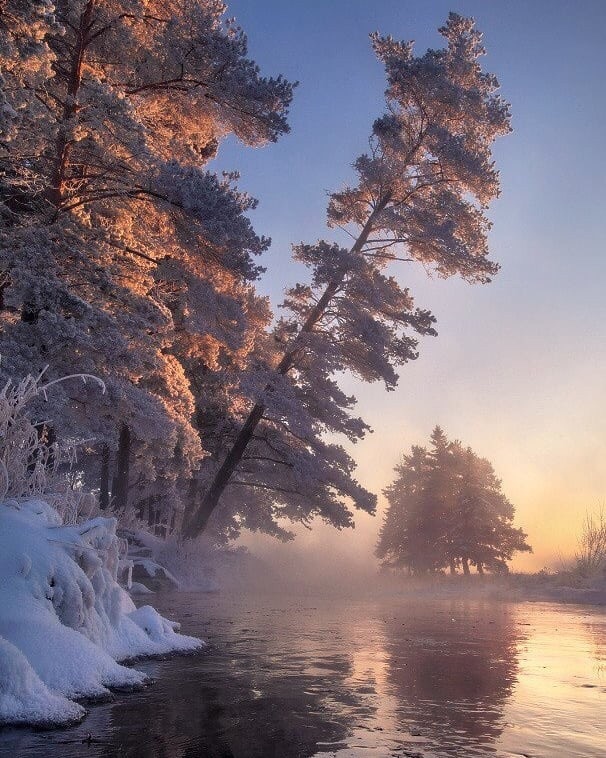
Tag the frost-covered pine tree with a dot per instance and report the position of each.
(128, 90)
(421, 195)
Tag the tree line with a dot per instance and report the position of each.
(124, 255)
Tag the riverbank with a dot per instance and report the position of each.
(66, 625)
(539, 587)
(252, 574)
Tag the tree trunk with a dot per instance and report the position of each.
(465, 563)
(55, 191)
(209, 501)
(453, 570)
(480, 568)
(120, 483)
(104, 479)
(4, 283)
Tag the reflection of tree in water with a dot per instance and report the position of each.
(453, 669)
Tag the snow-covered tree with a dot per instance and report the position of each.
(421, 195)
(125, 86)
(121, 254)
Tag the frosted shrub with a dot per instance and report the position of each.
(590, 555)
(31, 466)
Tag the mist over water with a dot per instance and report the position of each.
(325, 560)
(319, 562)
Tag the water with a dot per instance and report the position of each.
(357, 678)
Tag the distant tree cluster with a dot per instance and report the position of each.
(123, 255)
(447, 511)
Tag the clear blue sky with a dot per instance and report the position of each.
(518, 369)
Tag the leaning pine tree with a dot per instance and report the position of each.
(422, 193)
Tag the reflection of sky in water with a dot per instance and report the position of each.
(385, 678)
(558, 703)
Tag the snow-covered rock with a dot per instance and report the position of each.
(64, 619)
(148, 572)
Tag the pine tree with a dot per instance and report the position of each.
(446, 510)
(484, 534)
(397, 545)
(421, 195)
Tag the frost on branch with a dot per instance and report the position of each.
(30, 465)
(218, 209)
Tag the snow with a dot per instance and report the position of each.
(24, 698)
(153, 570)
(64, 620)
(138, 588)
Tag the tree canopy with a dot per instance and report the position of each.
(121, 254)
(446, 511)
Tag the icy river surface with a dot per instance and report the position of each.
(386, 677)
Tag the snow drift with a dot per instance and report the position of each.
(64, 620)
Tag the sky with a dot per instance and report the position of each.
(518, 368)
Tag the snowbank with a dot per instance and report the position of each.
(64, 620)
(24, 698)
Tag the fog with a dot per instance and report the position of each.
(318, 560)
(322, 560)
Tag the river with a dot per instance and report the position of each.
(286, 677)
